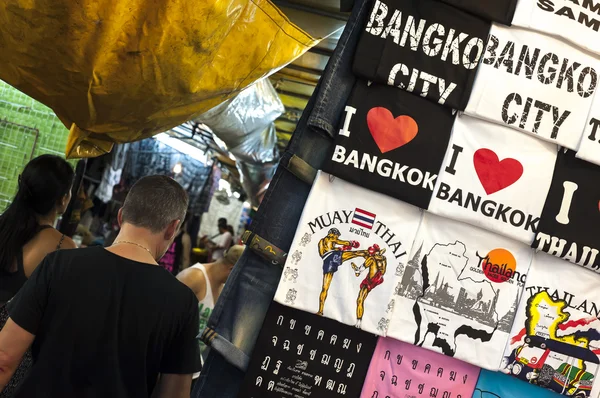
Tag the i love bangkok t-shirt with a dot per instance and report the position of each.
(382, 141)
(535, 83)
(460, 290)
(495, 178)
(425, 47)
(348, 253)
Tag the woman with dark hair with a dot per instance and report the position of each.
(27, 234)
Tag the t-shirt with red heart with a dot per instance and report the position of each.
(422, 46)
(383, 137)
(495, 178)
(569, 223)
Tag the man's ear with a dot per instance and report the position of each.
(172, 229)
(120, 217)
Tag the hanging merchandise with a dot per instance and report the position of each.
(494, 178)
(302, 355)
(536, 84)
(555, 340)
(422, 46)
(577, 21)
(131, 69)
(589, 147)
(382, 141)
(348, 254)
(497, 385)
(568, 227)
(112, 173)
(460, 290)
(402, 370)
(497, 11)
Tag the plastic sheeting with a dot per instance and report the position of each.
(124, 70)
(245, 123)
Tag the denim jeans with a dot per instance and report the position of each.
(240, 311)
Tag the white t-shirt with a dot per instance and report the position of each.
(575, 20)
(589, 147)
(222, 240)
(534, 83)
(495, 178)
(460, 291)
(360, 241)
(559, 309)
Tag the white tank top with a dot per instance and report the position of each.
(205, 307)
(208, 301)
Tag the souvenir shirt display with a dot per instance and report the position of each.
(495, 178)
(498, 385)
(534, 83)
(302, 355)
(589, 147)
(555, 340)
(460, 291)
(425, 47)
(348, 253)
(382, 140)
(497, 11)
(569, 224)
(402, 370)
(574, 20)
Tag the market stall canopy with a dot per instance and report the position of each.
(120, 71)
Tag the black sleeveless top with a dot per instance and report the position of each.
(11, 282)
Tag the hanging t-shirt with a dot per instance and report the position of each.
(422, 46)
(302, 355)
(578, 21)
(555, 340)
(535, 83)
(568, 226)
(348, 254)
(589, 147)
(382, 140)
(495, 178)
(498, 385)
(460, 291)
(403, 370)
(497, 11)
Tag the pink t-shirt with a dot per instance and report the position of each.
(403, 370)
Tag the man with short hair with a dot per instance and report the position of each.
(109, 322)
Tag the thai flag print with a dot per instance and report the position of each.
(363, 218)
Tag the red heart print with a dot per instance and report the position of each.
(494, 174)
(390, 133)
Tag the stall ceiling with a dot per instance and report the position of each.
(296, 82)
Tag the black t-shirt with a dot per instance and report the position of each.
(105, 326)
(392, 142)
(422, 46)
(497, 11)
(569, 223)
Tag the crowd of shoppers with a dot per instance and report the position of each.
(101, 322)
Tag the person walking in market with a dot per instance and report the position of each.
(109, 322)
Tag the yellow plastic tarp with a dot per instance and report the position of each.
(124, 70)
